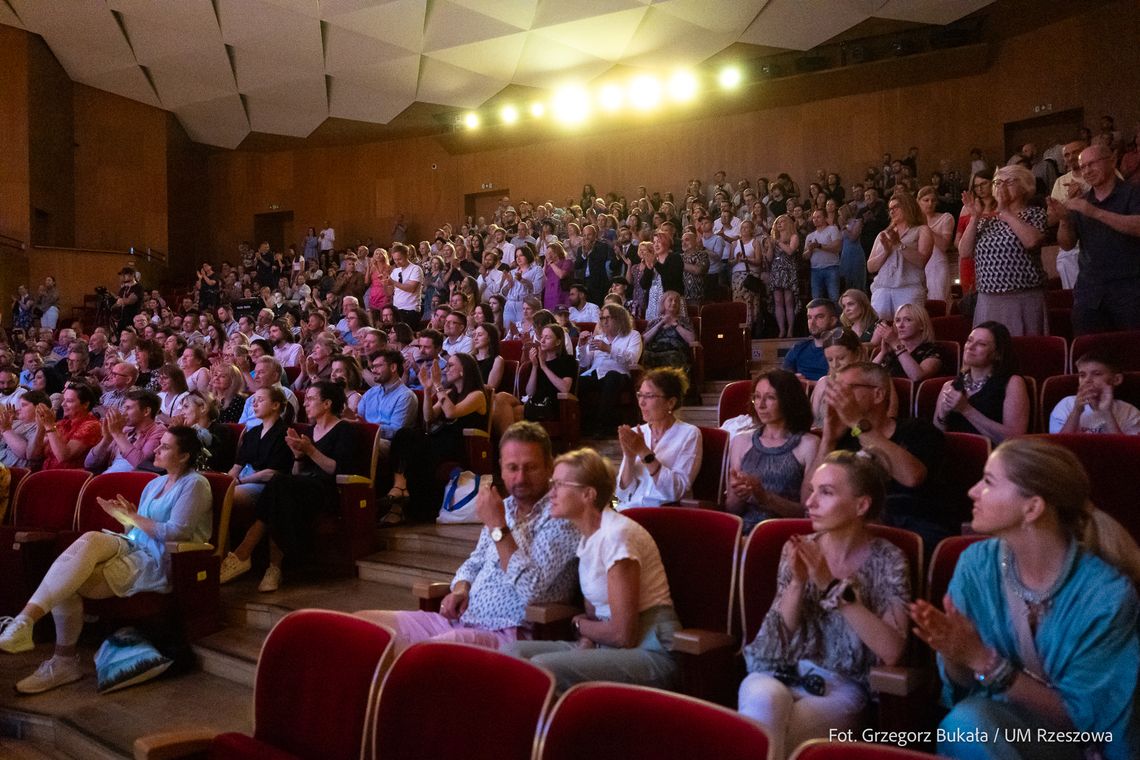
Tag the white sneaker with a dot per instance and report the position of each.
(271, 581)
(51, 673)
(232, 567)
(17, 635)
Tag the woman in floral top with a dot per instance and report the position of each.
(840, 608)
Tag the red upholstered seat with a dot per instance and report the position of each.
(1119, 345)
(963, 464)
(709, 484)
(725, 339)
(956, 328)
(603, 721)
(936, 307)
(926, 397)
(511, 349)
(1040, 356)
(129, 485)
(943, 562)
(735, 400)
(510, 376)
(951, 352)
(821, 749)
(904, 392)
(444, 700)
(315, 689)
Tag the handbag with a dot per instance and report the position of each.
(459, 497)
(751, 283)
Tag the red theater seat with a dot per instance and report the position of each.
(821, 749)
(735, 400)
(1122, 346)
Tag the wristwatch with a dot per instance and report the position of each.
(860, 427)
(649, 458)
(498, 534)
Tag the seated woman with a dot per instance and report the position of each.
(449, 408)
(195, 367)
(841, 347)
(172, 387)
(839, 609)
(988, 398)
(660, 459)
(551, 372)
(523, 328)
(766, 466)
(99, 565)
(1039, 629)
(485, 348)
(906, 347)
(226, 385)
(608, 355)
(290, 503)
(628, 626)
(669, 338)
(66, 442)
(347, 373)
(262, 454)
(20, 436)
(200, 412)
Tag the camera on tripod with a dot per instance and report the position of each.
(103, 298)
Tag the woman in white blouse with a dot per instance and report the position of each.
(628, 626)
(608, 356)
(525, 280)
(661, 457)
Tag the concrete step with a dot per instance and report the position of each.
(245, 606)
(231, 653)
(403, 568)
(445, 540)
(701, 416)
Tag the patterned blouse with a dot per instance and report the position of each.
(1002, 263)
(824, 637)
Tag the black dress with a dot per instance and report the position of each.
(543, 405)
(990, 401)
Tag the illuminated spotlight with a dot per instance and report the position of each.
(537, 109)
(610, 97)
(471, 120)
(571, 105)
(730, 77)
(509, 114)
(645, 92)
(683, 86)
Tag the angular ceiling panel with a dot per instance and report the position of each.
(665, 41)
(518, 13)
(452, 86)
(243, 21)
(130, 83)
(399, 23)
(605, 37)
(495, 58)
(398, 78)
(722, 16)
(220, 122)
(803, 24)
(294, 108)
(155, 36)
(350, 100)
(547, 63)
(551, 12)
(930, 11)
(255, 69)
(193, 76)
(450, 25)
(86, 39)
(345, 50)
(8, 16)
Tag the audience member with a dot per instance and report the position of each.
(1095, 408)
(389, 403)
(841, 348)
(20, 436)
(988, 397)
(858, 316)
(806, 358)
(899, 257)
(268, 375)
(906, 345)
(130, 436)
(669, 338)
(608, 355)
(66, 442)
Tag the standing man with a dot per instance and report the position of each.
(590, 265)
(1068, 260)
(407, 282)
(130, 297)
(327, 237)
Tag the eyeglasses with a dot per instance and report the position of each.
(861, 385)
(557, 484)
(649, 395)
(604, 318)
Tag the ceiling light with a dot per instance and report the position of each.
(683, 86)
(610, 97)
(537, 109)
(645, 92)
(730, 77)
(571, 105)
(509, 114)
(471, 120)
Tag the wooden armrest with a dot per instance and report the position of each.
(699, 504)
(430, 590)
(899, 680)
(172, 744)
(348, 480)
(567, 397)
(699, 641)
(181, 547)
(474, 433)
(550, 612)
(31, 536)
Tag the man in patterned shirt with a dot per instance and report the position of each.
(524, 556)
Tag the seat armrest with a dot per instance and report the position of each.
(567, 397)
(31, 536)
(898, 680)
(351, 480)
(193, 742)
(182, 547)
(430, 590)
(701, 504)
(550, 612)
(698, 641)
(475, 433)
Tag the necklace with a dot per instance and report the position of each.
(1036, 602)
(971, 385)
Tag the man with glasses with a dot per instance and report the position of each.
(456, 340)
(117, 387)
(1068, 264)
(389, 403)
(1106, 222)
(858, 418)
(524, 556)
(806, 358)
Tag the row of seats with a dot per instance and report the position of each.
(321, 691)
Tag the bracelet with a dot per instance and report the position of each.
(901, 349)
(49, 430)
(999, 678)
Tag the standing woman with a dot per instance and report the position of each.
(840, 608)
(852, 257)
(785, 279)
(376, 279)
(99, 565)
(664, 271)
(558, 271)
(747, 255)
(312, 243)
(1006, 248)
(48, 304)
(1039, 628)
(979, 195)
(942, 233)
(628, 626)
(525, 280)
(899, 256)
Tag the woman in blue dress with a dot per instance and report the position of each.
(100, 564)
(1039, 629)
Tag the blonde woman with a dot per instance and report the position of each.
(906, 346)
(784, 279)
(941, 226)
(899, 256)
(376, 279)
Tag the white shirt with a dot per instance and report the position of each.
(328, 237)
(588, 313)
(733, 231)
(288, 354)
(624, 353)
(827, 236)
(461, 345)
(491, 283)
(10, 399)
(402, 299)
(678, 452)
(1092, 420)
(616, 539)
(750, 250)
(199, 380)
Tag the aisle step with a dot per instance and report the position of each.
(231, 653)
(403, 568)
(446, 540)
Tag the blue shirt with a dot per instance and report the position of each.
(391, 407)
(807, 359)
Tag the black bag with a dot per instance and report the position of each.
(536, 412)
(752, 283)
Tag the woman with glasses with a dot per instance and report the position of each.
(1006, 248)
(899, 256)
(766, 465)
(840, 608)
(980, 194)
(661, 457)
(608, 356)
(628, 626)
(66, 442)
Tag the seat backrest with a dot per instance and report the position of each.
(316, 683)
(951, 352)
(456, 700)
(735, 399)
(90, 516)
(1061, 323)
(904, 392)
(1119, 345)
(1059, 386)
(943, 562)
(699, 549)
(607, 721)
(709, 483)
(955, 328)
(15, 475)
(926, 397)
(936, 307)
(510, 372)
(511, 349)
(761, 562)
(1040, 356)
(965, 461)
(48, 499)
(222, 494)
(821, 749)
(1059, 299)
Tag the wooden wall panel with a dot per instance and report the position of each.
(78, 272)
(14, 150)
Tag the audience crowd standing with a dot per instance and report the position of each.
(602, 292)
